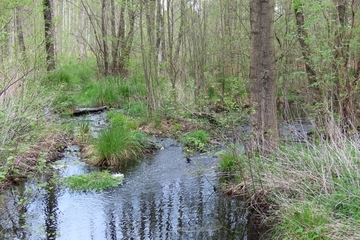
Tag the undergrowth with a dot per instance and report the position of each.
(312, 189)
(195, 141)
(76, 84)
(25, 121)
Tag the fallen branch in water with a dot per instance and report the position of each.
(82, 111)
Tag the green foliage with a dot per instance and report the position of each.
(345, 201)
(75, 84)
(195, 141)
(228, 162)
(303, 221)
(118, 119)
(157, 119)
(101, 93)
(71, 75)
(176, 127)
(316, 185)
(22, 122)
(136, 109)
(112, 92)
(84, 127)
(64, 103)
(82, 133)
(96, 181)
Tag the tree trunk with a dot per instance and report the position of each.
(49, 34)
(20, 33)
(305, 50)
(263, 77)
(104, 38)
(344, 84)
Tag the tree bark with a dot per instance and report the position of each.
(305, 49)
(49, 34)
(264, 137)
(20, 33)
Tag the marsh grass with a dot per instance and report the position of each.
(315, 188)
(96, 181)
(120, 143)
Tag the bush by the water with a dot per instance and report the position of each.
(96, 181)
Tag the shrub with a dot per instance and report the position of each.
(96, 181)
(195, 141)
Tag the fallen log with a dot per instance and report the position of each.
(83, 111)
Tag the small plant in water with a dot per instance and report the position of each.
(96, 181)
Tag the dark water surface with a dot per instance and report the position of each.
(162, 197)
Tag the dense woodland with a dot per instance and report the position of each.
(197, 52)
(273, 61)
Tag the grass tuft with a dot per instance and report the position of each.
(96, 181)
(120, 143)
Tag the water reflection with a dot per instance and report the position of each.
(51, 208)
(163, 197)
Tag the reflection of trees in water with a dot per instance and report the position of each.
(13, 211)
(179, 210)
(51, 208)
(110, 231)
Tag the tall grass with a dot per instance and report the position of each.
(77, 84)
(67, 82)
(316, 188)
(120, 143)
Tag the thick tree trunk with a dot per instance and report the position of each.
(263, 77)
(344, 84)
(49, 34)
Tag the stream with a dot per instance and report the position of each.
(162, 197)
